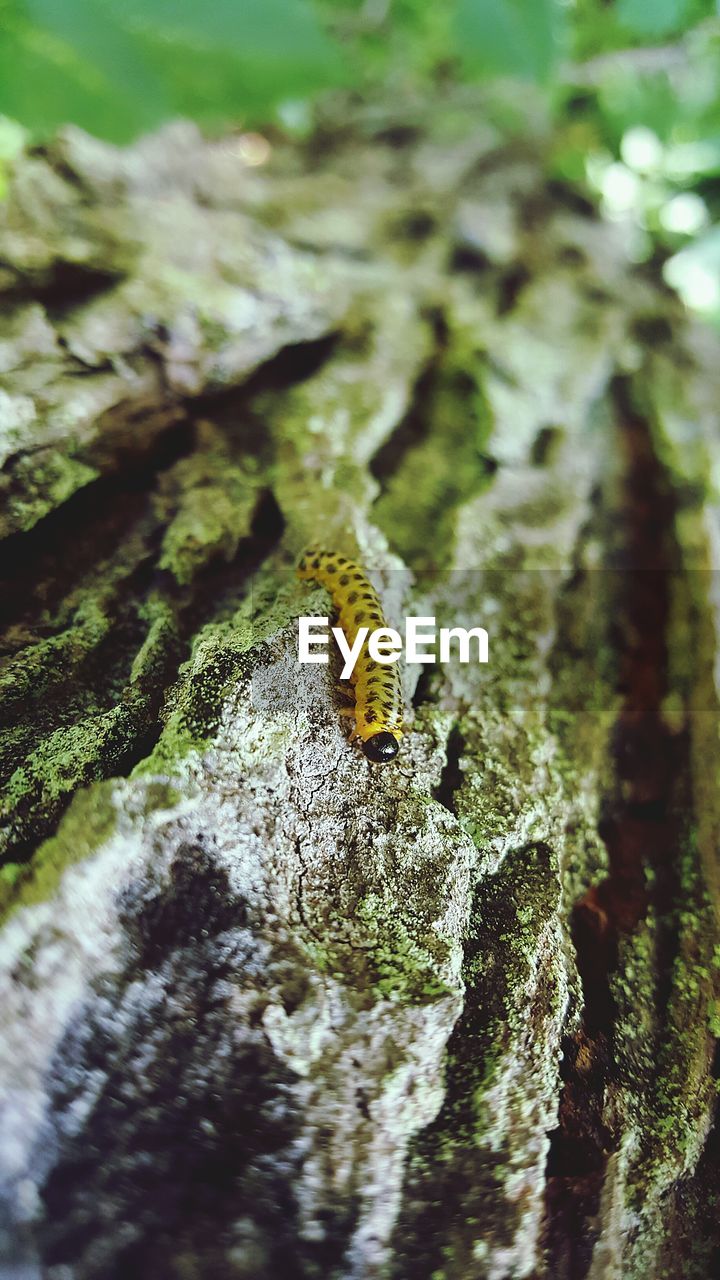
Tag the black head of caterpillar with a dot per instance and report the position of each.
(378, 710)
(382, 747)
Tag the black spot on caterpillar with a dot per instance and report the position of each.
(378, 713)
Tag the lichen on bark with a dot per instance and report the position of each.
(262, 1001)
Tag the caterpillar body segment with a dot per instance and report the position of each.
(377, 688)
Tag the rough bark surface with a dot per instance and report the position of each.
(268, 1010)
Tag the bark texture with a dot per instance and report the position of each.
(269, 1010)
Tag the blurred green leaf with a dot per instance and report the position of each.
(627, 100)
(278, 46)
(510, 37)
(599, 27)
(75, 64)
(234, 58)
(120, 69)
(653, 17)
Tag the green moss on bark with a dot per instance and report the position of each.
(89, 822)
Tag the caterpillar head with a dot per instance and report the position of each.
(381, 747)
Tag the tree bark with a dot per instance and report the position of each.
(270, 1010)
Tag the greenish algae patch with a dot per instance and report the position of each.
(392, 962)
(510, 911)
(584, 705)
(45, 479)
(440, 469)
(462, 1166)
(160, 646)
(54, 659)
(89, 698)
(502, 954)
(194, 704)
(69, 757)
(89, 822)
(222, 655)
(682, 1093)
(209, 500)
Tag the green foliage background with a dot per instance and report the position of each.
(606, 68)
(118, 69)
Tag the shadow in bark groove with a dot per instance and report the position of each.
(41, 566)
(452, 775)
(435, 460)
(641, 828)
(67, 285)
(417, 423)
(453, 1190)
(107, 686)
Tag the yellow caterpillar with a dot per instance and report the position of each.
(378, 692)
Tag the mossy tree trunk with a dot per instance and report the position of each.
(269, 1010)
